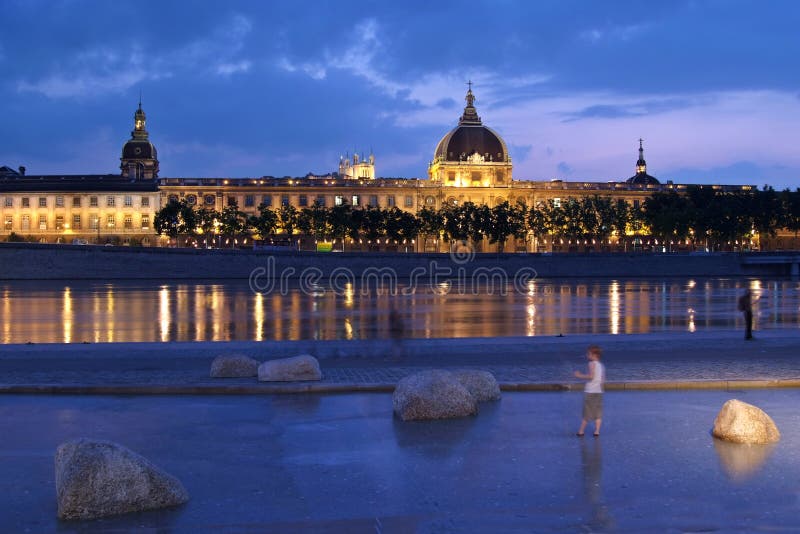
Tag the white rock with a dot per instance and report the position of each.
(481, 384)
(740, 422)
(233, 366)
(101, 478)
(299, 368)
(433, 394)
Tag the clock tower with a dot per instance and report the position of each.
(139, 159)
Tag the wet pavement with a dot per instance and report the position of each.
(354, 365)
(343, 463)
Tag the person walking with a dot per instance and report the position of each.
(593, 390)
(746, 307)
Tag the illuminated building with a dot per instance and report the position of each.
(471, 163)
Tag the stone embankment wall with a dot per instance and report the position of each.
(74, 262)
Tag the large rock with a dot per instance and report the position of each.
(233, 366)
(740, 422)
(302, 367)
(432, 394)
(481, 384)
(101, 478)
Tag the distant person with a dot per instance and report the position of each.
(397, 331)
(593, 390)
(746, 307)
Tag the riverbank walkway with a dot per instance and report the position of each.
(706, 360)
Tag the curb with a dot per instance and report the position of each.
(316, 387)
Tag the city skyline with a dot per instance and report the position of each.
(269, 90)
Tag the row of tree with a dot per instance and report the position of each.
(702, 216)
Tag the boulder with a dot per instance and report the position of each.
(740, 422)
(101, 478)
(302, 367)
(233, 366)
(433, 394)
(481, 384)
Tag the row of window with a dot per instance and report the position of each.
(476, 177)
(302, 200)
(76, 223)
(111, 201)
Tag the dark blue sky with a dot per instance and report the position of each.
(273, 88)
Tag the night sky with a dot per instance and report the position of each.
(242, 89)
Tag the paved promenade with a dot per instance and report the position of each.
(700, 360)
(343, 463)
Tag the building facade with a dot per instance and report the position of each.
(471, 163)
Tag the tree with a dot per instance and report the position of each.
(265, 222)
(505, 221)
(340, 220)
(539, 221)
(288, 219)
(668, 215)
(175, 219)
(401, 226)
(232, 221)
(431, 224)
(315, 222)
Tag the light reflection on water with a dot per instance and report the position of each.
(54, 312)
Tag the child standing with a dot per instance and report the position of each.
(593, 390)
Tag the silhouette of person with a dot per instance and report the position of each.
(746, 307)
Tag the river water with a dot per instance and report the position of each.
(61, 312)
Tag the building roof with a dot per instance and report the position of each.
(471, 137)
(87, 183)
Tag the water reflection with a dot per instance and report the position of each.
(741, 461)
(130, 311)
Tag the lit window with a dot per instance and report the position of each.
(94, 222)
(355, 200)
(26, 222)
(145, 222)
(9, 223)
(59, 222)
(111, 221)
(128, 222)
(556, 202)
(338, 200)
(76, 222)
(42, 222)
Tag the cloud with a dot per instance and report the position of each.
(226, 69)
(103, 69)
(613, 33)
(633, 108)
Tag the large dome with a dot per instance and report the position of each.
(471, 137)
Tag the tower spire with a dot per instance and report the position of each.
(470, 116)
(641, 164)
